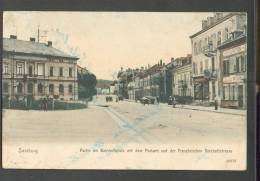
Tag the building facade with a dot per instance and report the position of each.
(206, 68)
(182, 77)
(233, 60)
(33, 70)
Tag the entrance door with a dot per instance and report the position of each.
(240, 96)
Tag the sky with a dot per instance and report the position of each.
(107, 41)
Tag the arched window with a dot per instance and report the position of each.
(30, 88)
(51, 88)
(70, 88)
(61, 89)
(20, 88)
(40, 88)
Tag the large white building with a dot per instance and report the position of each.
(33, 70)
(206, 67)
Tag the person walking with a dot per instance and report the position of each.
(45, 104)
(173, 102)
(216, 103)
(158, 100)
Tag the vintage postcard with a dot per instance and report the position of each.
(124, 90)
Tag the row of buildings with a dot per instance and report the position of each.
(215, 69)
(35, 70)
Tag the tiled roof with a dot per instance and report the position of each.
(30, 47)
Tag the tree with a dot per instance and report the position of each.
(86, 85)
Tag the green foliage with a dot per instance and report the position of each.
(37, 105)
(183, 99)
(87, 85)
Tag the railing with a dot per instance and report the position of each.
(210, 74)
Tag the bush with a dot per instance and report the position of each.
(37, 105)
(58, 105)
(183, 99)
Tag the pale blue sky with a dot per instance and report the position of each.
(105, 41)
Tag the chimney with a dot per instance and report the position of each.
(160, 62)
(49, 43)
(32, 39)
(204, 24)
(210, 20)
(172, 59)
(13, 37)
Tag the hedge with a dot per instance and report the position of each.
(183, 99)
(36, 105)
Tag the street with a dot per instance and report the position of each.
(124, 122)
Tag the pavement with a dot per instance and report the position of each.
(125, 121)
(204, 108)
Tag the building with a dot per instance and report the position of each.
(82, 70)
(206, 68)
(182, 80)
(233, 59)
(33, 70)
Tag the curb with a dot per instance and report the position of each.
(239, 114)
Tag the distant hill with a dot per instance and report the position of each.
(101, 83)
(105, 81)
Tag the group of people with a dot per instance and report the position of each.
(44, 104)
(172, 101)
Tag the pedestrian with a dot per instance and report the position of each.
(173, 102)
(157, 99)
(45, 104)
(216, 103)
(170, 100)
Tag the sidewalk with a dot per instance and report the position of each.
(203, 108)
(212, 109)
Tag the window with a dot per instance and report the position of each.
(5, 69)
(30, 70)
(243, 63)
(201, 67)
(213, 63)
(61, 89)
(226, 67)
(195, 49)
(70, 72)
(20, 88)
(51, 89)
(206, 64)
(61, 72)
(233, 92)
(200, 47)
(219, 38)
(70, 88)
(41, 69)
(194, 68)
(40, 88)
(5, 87)
(30, 88)
(19, 69)
(226, 34)
(51, 71)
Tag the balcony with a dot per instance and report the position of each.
(209, 50)
(210, 74)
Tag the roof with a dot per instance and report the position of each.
(35, 48)
(214, 24)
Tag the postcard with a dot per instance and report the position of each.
(124, 90)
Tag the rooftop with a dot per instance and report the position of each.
(32, 47)
(214, 23)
